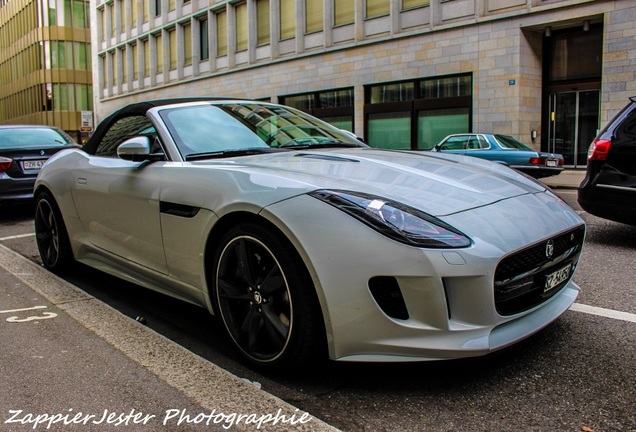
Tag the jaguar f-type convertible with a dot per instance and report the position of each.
(303, 240)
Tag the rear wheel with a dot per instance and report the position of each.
(265, 298)
(51, 235)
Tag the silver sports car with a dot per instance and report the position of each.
(305, 241)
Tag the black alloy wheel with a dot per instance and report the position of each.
(265, 298)
(50, 235)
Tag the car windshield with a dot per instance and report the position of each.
(508, 142)
(246, 128)
(12, 138)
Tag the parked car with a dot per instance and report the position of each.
(23, 151)
(505, 150)
(609, 187)
(305, 241)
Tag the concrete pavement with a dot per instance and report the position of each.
(568, 179)
(72, 363)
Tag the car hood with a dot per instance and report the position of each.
(435, 183)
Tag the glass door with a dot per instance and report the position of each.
(574, 117)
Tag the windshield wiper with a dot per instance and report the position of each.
(229, 153)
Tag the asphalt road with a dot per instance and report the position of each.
(577, 374)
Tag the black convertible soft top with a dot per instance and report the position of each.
(137, 108)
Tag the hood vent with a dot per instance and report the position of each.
(326, 157)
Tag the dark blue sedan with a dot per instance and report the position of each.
(505, 150)
(23, 151)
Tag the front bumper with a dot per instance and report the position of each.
(448, 294)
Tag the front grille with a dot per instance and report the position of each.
(521, 279)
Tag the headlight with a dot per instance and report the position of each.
(395, 220)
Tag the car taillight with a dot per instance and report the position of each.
(5, 163)
(599, 149)
(537, 161)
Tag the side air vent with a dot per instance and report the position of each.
(386, 292)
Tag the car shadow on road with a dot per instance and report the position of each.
(608, 233)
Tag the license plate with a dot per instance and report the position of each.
(551, 162)
(554, 279)
(33, 164)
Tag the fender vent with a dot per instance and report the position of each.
(386, 292)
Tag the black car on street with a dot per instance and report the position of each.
(609, 187)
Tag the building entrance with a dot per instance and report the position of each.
(573, 124)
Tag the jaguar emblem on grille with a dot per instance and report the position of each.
(41, 152)
(549, 249)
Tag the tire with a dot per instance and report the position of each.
(266, 300)
(51, 235)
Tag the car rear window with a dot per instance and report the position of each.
(32, 137)
(509, 142)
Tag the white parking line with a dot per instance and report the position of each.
(16, 236)
(608, 313)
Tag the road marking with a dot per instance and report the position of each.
(608, 313)
(16, 236)
(22, 310)
(16, 319)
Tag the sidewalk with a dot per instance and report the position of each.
(568, 179)
(72, 363)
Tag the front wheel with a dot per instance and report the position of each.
(51, 235)
(265, 298)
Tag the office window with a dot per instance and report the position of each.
(146, 48)
(146, 11)
(313, 16)
(133, 13)
(287, 19)
(377, 8)
(187, 44)
(392, 92)
(113, 66)
(221, 34)
(102, 15)
(124, 65)
(172, 4)
(204, 42)
(83, 97)
(389, 130)
(172, 41)
(111, 11)
(104, 71)
(135, 61)
(81, 56)
(418, 114)
(413, 4)
(241, 27)
(435, 124)
(158, 7)
(343, 10)
(159, 52)
(122, 15)
(262, 22)
(81, 16)
(333, 106)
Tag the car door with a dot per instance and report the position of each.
(620, 166)
(118, 201)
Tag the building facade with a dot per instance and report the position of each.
(45, 64)
(400, 73)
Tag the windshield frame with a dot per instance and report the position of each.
(232, 126)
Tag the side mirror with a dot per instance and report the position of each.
(137, 149)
